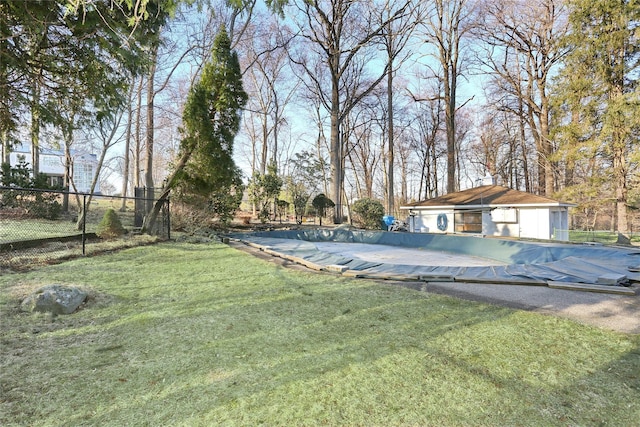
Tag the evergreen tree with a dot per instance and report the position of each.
(600, 93)
(264, 189)
(58, 67)
(110, 226)
(368, 213)
(211, 120)
(321, 203)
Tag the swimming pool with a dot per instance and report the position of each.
(423, 256)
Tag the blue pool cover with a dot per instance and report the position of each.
(517, 261)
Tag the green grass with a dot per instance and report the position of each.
(16, 230)
(13, 229)
(200, 335)
(604, 237)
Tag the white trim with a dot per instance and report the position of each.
(485, 206)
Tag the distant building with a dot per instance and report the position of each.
(491, 210)
(52, 164)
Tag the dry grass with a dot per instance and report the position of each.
(55, 252)
(199, 335)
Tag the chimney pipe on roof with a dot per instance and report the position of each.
(489, 180)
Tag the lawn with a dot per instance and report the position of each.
(201, 334)
(16, 230)
(604, 237)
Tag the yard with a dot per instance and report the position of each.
(15, 227)
(201, 334)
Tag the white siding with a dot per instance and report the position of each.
(490, 227)
(534, 223)
(52, 164)
(427, 221)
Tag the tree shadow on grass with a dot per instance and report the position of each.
(382, 364)
(261, 357)
(285, 348)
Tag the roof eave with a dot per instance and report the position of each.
(490, 205)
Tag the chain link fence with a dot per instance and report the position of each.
(40, 226)
(598, 236)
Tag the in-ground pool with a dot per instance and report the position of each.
(455, 257)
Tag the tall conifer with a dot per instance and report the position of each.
(600, 82)
(210, 122)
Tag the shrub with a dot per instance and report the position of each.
(188, 217)
(38, 203)
(44, 205)
(110, 227)
(321, 203)
(202, 207)
(368, 213)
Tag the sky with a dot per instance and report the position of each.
(298, 134)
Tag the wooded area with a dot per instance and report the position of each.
(395, 100)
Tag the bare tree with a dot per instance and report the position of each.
(107, 132)
(464, 130)
(163, 65)
(137, 135)
(405, 157)
(340, 33)
(426, 140)
(270, 84)
(127, 147)
(362, 152)
(523, 46)
(397, 34)
(446, 25)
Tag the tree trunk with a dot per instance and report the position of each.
(523, 145)
(336, 158)
(620, 183)
(276, 123)
(68, 173)
(148, 225)
(450, 123)
(127, 147)
(148, 177)
(404, 185)
(138, 149)
(6, 149)
(545, 139)
(35, 127)
(265, 147)
(390, 183)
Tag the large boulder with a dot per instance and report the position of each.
(55, 299)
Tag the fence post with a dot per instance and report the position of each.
(168, 220)
(84, 222)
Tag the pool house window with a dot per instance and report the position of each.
(468, 222)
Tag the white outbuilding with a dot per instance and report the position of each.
(491, 210)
